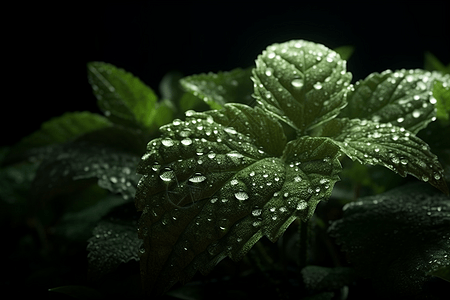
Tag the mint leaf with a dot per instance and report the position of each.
(214, 184)
(318, 278)
(121, 96)
(397, 238)
(75, 163)
(441, 92)
(403, 98)
(384, 144)
(114, 241)
(223, 87)
(345, 51)
(302, 83)
(65, 128)
(432, 63)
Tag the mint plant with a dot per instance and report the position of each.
(218, 181)
(225, 159)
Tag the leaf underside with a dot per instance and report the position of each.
(212, 190)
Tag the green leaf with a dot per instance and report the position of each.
(78, 292)
(302, 83)
(65, 128)
(223, 87)
(402, 98)
(210, 190)
(384, 144)
(114, 241)
(345, 51)
(74, 163)
(318, 278)
(398, 237)
(121, 96)
(441, 92)
(432, 63)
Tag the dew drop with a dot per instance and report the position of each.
(400, 120)
(425, 178)
(186, 141)
(301, 205)
(167, 174)
(197, 178)
(167, 142)
(437, 176)
(256, 212)
(268, 72)
(241, 195)
(297, 83)
(234, 182)
(317, 85)
(416, 113)
(211, 155)
(297, 179)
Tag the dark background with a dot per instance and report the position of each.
(49, 46)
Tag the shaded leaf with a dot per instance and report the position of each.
(65, 128)
(114, 241)
(318, 278)
(121, 96)
(78, 292)
(432, 63)
(223, 87)
(78, 225)
(398, 237)
(403, 98)
(114, 170)
(302, 83)
(210, 190)
(384, 144)
(345, 51)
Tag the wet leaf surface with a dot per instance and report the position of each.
(302, 83)
(398, 237)
(210, 190)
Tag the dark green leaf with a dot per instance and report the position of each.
(122, 96)
(78, 292)
(78, 225)
(114, 241)
(302, 83)
(403, 98)
(114, 170)
(223, 87)
(384, 144)
(345, 51)
(210, 190)
(318, 278)
(65, 128)
(398, 237)
(432, 63)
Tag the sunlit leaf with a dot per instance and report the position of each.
(302, 83)
(403, 98)
(214, 184)
(398, 237)
(384, 144)
(441, 93)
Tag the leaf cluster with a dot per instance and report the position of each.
(240, 155)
